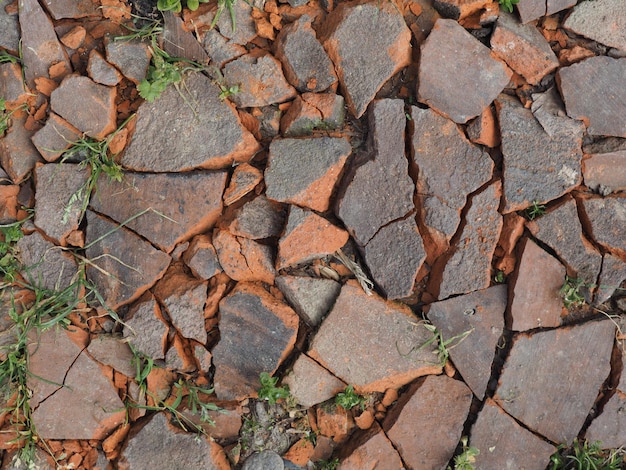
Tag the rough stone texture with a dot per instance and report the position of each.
(12, 87)
(176, 205)
(310, 297)
(313, 110)
(87, 105)
(305, 171)
(60, 374)
(170, 449)
(584, 88)
(112, 351)
(368, 44)
(484, 130)
(394, 256)
(243, 259)
(306, 65)
(180, 42)
(607, 217)
(244, 179)
(611, 277)
(40, 46)
(18, 155)
(8, 203)
(9, 28)
(426, 424)
(481, 314)
(353, 343)
(183, 298)
(264, 460)
(55, 188)
(504, 444)
(60, 9)
(523, 48)
(219, 49)
(257, 332)
(538, 167)
(384, 178)
(100, 71)
(128, 265)
(132, 58)
(561, 230)
(449, 169)
(174, 134)
(604, 22)
(55, 137)
(532, 9)
(605, 171)
(536, 300)
(610, 427)
(201, 258)
(310, 383)
(244, 30)
(259, 218)
(458, 76)
(552, 378)
(260, 79)
(46, 265)
(144, 330)
(307, 237)
(371, 449)
(469, 267)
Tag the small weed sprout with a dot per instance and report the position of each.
(269, 391)
(327, 464)
(348, 399)
(507, 5)
(443, 346)
(586, 456)
(499, 278)
(570, 292)
(6, 57)
(5, 115)
(536, 210)
(177, 5)
(466, 459)
(221, 6)
(9, 265)
(228, 91)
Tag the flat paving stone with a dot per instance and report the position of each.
(372, 449)
(353, 343)
(201, 257)
(605, 172)
(552, 378)
(523, 48)
(562, 231)
(310, 383)
(57, 214)
(384, 178)
(612, 275)
(538, 167)
(18, 155)
(60, 9)
(469, 267)
(174, 134)
(87, 105)
(310, 297)
(307, 237)
(449, 169)
(167, 209)
(311, 111)
(134, 267)
(305, 62)
(479, 317)
(144, 329)
(536, 299)
(9, 28)
(258, 219)
(584, 88)
(607, 217)
(132, 58)
(505, 444)
(427, 422)
(243, 259)
(100, 71)
(368, 43)
(112, 351)
(309, 179)
(257, 332)
(55, 137)
(604, 22)
(458, 76)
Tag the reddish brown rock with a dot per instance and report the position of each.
(259, 218)
(310, 297)
(132, 58)
(144, 329)
(607, 217)
(353, 343)
(60, 9)
(505, 444)
(134, 267)
(244, 179)
(371, 449)
(425, 425)
(302, 118)
(55, 137)
(208, 136)
(74, 38)
(310, 179)
(201, 258)
(583, 86)
(86, 105)
(458, 76)
(242, 30)
(368, 44)
(310, 383)
(307, 237)
(57, 209)
(257, 332)
(537, 301)
(8, 203)
(604, 22)
(484, 130)
(100, 71)
(164, 208)
(611, 277)
(40, 46)
(243, 259)
(552, 378)
(18, 155)
(306, 65)
(605, 172)
(469, 267)
(523, 48)
(477, 321)
(12, 87)
(532, 9)
(112, 351)
(449, 169)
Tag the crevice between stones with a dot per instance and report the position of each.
(63, 382)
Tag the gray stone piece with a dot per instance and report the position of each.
(603, 21)
(188, 136)
(219, 49)
(100, 71)
(132, 58)
(18, 155)
(55, 137)
(60, 9)
(9, 29)
(114, 352)
(605, 172)
(310, 297)
(607, 217)
(180, 42)
(310, 383)
(258, 219)
(532, 9)
(143, 328)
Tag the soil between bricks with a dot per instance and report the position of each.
(473, 170)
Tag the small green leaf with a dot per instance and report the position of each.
(193, 4)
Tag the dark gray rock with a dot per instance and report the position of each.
(144, 329)
(264, 460)
(60, 9)
(604, 22)
(310, 297)
(55, 137)
(180, 42)
(100, 71)
(132, 58)
(607, 217)
(259, 218)
(9, 28)
(611, 277)
(18, 155)
(201, 257)
(605, 172)
(532, 9)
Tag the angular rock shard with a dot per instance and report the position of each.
(604, 22)
(371, 448)
(311, 384)
(607, 217)
(144, 329)
(243, 259)
(310, 297)
(605, 172)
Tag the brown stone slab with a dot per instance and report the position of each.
(310, 383)
(310, 297)
(604, 22)
(18, 155)
(243, 259)
(55, 137)
(605, 172)
(372, 449)
(607, 217)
